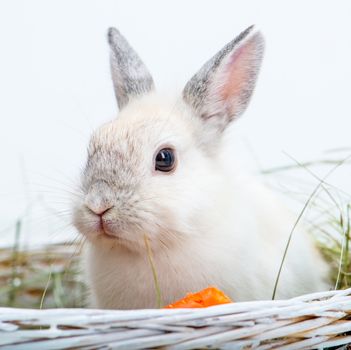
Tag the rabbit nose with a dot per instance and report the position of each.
(98, 199)
(99, 208)
(100, 211)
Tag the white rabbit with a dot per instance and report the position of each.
(161, 171)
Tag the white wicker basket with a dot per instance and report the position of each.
(314, 321)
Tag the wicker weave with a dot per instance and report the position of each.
(311, 321)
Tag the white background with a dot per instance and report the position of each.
(55, 86)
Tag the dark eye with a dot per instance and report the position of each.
(165, 160)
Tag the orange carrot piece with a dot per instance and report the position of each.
(206, 297)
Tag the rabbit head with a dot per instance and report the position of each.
(153, 170)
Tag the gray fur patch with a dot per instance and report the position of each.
(129, 74)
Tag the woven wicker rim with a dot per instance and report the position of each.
(310, 321)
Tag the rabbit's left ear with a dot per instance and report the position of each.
(130, 76)
(221, 90)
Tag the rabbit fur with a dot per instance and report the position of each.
(207, 222)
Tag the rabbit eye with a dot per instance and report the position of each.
(165, 160)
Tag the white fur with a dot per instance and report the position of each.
(208, 223)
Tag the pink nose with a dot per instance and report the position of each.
(99, 210)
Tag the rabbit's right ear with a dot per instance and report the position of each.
(130, 76)
(220, 91)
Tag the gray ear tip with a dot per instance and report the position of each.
(253, 33)
(247, 31)
(112, 35)
(260, 41)
(250, 32)
(256, 32)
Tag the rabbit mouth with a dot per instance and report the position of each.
(115, 227)
(110, 229)
(117, 230)
(106, 232)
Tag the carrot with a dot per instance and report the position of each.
(207, 297)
